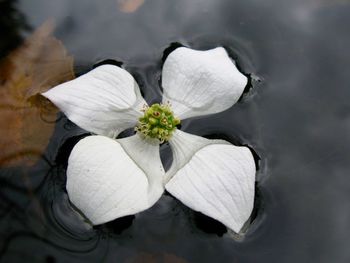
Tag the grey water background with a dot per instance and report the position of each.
(296, 117)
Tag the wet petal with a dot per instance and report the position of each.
(104, 101)
(201, 82)
(108, 179)
(213, 177)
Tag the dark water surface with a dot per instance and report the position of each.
(296, 117)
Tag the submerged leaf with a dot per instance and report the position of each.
(129, 6)
(26, 118)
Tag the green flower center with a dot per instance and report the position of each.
(157, 122)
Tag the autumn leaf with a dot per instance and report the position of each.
(26, 118)
(129, 6)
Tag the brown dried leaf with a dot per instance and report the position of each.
(26, 118)
(129, 6)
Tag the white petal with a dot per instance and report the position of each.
(201, 82)
(104, 101)
(213, 177)
(107, 178)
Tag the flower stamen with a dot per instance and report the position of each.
(157, 122)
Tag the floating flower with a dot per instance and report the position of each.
(108, 178)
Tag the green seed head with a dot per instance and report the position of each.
(157, 122)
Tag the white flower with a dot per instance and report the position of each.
(109, 178)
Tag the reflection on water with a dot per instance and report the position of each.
(13, 23)
(296, 117)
